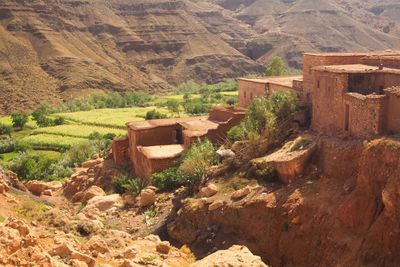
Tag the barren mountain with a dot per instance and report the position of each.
(56, 49)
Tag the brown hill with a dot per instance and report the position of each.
(56, 49)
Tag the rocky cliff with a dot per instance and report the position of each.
(343, 211)
(57, 49)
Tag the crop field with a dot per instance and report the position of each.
(116, 118)
(76, 130)
(7, 121)
(51, 141)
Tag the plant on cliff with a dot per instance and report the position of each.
(19, 120)
(200, 156)
(168, 179)
(266, 116)
(5, 129)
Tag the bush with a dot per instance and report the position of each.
(80, 153)
(29, 166)
(127, 183)
(196, 160)
(231, 101)
(268, 174)
(40, 116)
(59, 121)
(196, 107)
(19, 119)
(265, 116)
(154, 114)
(5, 129)
(168, 179)
(7, 145)
(101, 142)
(277, 67)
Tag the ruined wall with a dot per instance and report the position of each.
(328, 110)
(393, 110)
(162, 135)
(386, 61)
(249, 90)
(366, 114)
(310, 61)
(120, 151)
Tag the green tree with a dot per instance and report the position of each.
(173, 106)
(277, 67)
(19, 120)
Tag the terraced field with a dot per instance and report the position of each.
(78, 130)
(116, 118)
(51, 141)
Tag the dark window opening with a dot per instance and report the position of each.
(347, 118)
(244, 94)
(179, 136)
(318, 83)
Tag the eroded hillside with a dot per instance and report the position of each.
(54, 50)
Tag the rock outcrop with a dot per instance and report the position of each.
(344, 211)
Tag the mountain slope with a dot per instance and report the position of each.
(57, 49)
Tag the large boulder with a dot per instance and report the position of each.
(104, 203)
(147, 197)
(236, 256)
(88, 194)
(38, 187)
(91, 163)
(209, 191)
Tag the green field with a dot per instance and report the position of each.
(110, 117)
(51, 141)
(77, 130)
(7, 121)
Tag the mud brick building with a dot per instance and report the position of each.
(155, 145)
(355, 94)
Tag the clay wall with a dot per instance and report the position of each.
(328, 101)
(161, 135)
(120, 151)
(310, 61)
(388, 62)
(249, 90)
(393, 111)
(366, 115)
(224, 114)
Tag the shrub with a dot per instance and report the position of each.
(101, 142)
(265, 116)
(173, 106)
(80, 153)
(59, 121)
(168, 179)
(5, 129)
(231, 101)
(196, 106)
(135, 186)
(154, 114)
(196, 160)
(19, 119)
(7, 145)
(29, 166)
(127, 183)
(268, 174)
(40, 116)
(277, 67)
(22, 146)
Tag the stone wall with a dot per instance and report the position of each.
(366, 115)
(328, 112)
(249, 90)
(393, 110)
(120, 151)
(386, 61)
(313, 60)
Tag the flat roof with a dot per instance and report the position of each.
(284, 81)
(356, 68)
(348, 54)
(161, 152)
(143, 125)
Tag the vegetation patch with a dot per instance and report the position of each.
(50, 141)
(32, 210)
(75, 130)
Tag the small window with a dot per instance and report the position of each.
(251, 95)
(309, 70)
(318, 83)
(244, 94)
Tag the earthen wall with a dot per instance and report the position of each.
(328, 102)
(120, 151)
(388, 62)
(366, 114)
(249, 90)
(393, 112)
